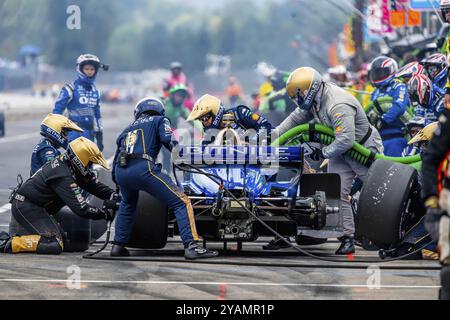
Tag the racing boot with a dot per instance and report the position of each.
(347, 246)
(276, 244)
(444, 292)
(119, 250)
(194, 251)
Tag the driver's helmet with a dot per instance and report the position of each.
(83, 153)
(407, 71)
(436, 66)
(207, 106)
(415, 125)
(425, 134)
(382, 71)
(303, 86)
(56, 127)
(420, 90)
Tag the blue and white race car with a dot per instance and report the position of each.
(227, 182)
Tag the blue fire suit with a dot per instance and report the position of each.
(82, 100)
(146, 136)
(391, 128)
(44, 152)
(433, 111)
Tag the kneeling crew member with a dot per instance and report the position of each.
(135, 169)
(58, 183)
(54, 130)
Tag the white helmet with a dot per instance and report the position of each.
(92, 60)
(445, 6)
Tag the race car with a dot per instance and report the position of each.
(232, 186)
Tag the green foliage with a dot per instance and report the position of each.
(137, 34)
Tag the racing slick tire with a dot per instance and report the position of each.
(150, 229)
(444, 292)
(77, 230)
(98, 227)
(384, 201)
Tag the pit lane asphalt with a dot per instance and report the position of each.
(30, 276)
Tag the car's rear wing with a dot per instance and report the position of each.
(232, 155)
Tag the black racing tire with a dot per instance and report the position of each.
(309, 241)
(98, 227)
(77, 230)
(384, 199)
(444, 292)
(150, 229)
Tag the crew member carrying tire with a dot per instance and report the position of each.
(330, 105)
(58, 183)
(436, 195)
(135, 169)
(54, 130)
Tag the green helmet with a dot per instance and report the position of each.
(177, 88)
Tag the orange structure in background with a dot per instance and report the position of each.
(398, 18)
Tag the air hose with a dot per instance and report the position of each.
(383, 105)
(319, 133)
(275, 233)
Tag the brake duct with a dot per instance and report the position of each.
(313, 132)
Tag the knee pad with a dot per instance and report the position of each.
(34, 244)
(444, 293)
(18, 244)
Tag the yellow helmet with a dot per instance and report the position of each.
(303, 85)
(204, 105)
(265, 89)
(54, 127)
(82, 152)
(425, 134)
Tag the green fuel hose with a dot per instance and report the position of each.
(325, 135)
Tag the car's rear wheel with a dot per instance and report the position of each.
(150, 228)
(98, 227)
(384, 207)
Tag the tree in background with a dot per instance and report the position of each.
(140, 34)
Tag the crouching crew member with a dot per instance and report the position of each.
(58, 183)
(135, 169)
(54, 130)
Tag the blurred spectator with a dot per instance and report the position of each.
(177, 77)
(233, 91)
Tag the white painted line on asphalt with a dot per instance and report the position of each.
(255, 284)
(5, 208)
(19, 137)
